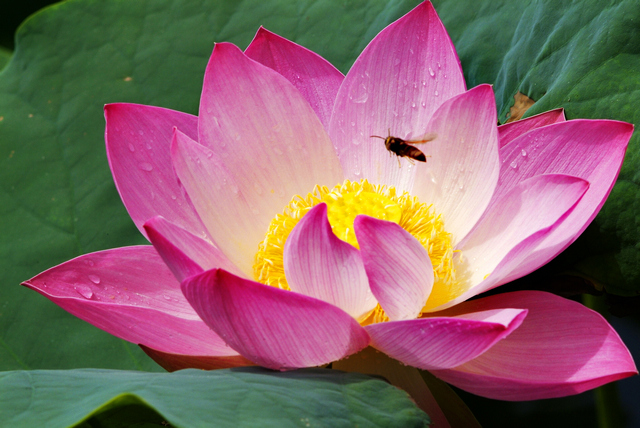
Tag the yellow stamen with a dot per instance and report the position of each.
(344, 203)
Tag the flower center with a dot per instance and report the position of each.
(345, 202)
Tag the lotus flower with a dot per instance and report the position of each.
(284, 235)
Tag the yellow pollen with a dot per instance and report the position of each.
(342, 209)
(346, 201)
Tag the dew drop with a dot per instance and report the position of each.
(523, 153)
(413, 105)
(424, 83)
(145, 166)
(431, 72)
(356, 142)
(173, 197)
(353, 124)
(423, 104)
(362, 98)
(132, 148)
(95, 279)
(141, 132)
(514, 164)
(84, 291)
(436, 93)
(149, 146)
(166, 297)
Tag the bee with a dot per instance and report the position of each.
(403, 148)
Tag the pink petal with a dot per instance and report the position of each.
(173, 362)
(531, 207)
(223, 207)
(399, 268)
(395, 85)
(590, 149)
(130, 293)
(462, 173)
(274, 328)
(319, 264)
(444, 342)
(561, 348)
(138, 139)
(185, 254)
(317, 80)
(263, 129)
(509, 131)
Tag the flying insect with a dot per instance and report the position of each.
(404, 148)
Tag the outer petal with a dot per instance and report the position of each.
(138, 138)
(444, 342)
(266, 133)
(185, 254)
(316, 78)
(509, 131)
(274, 328)
(130, 293)
(395, 85)
(230, 218)
(534, 205)
(319, 264)
(590, 149)
(399, 268)
(461, 175)
(173, 362)
(561, 348)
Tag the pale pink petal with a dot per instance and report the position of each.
(590, 149)
(172, 362)
(509, 131)
(395, 85)
(462, 172)
(399, 268)
(316, 78)
(444, 342)
(230, 218)
(185, 254)
(264, 131)
(274, 328)
(130, 293)
(532, 206)
(319, 264)
(561, 348)
(138, 138)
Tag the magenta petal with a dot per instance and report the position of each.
(316, 78)
(463, 171)
(185, 254)
(268, 135)
(529, 211)
(444, 342)
(130, 293)
(590, 149)
(509, 131)
(274, 328)
(172, 362)
(561, 348)
(319, 264)
(138, 138)
(395, 85)
(399, 268)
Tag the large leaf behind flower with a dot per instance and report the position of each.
(583, 56)
(57, 197)
(194, 398)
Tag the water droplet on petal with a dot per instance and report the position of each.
(94, 278)
(166, 297)
(431, 72)
(84, 291)
(145, 166)
(132, 148)
(436, 93)
(423, 104)
(523, 153)
(514, 164)
(141, 132)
